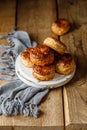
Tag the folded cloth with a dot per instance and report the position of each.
(16, 97)
(18, 41)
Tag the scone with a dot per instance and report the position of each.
(42, 55)
(55, 44)
(25, 58)
(60, 27)
(44, 72)
(65, 65)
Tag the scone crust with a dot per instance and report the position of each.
(43, 77)
(42, 55)
(65, 65)
(60, 27)
(44, 72)
(25, 58)
(55, 44)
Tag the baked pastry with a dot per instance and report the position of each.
(44, 72)
(25, 58)
(65, 65)
(41, 55)
(60, 26)
(55, 44)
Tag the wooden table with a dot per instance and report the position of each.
(65, 108)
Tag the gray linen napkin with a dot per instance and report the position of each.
(16, 97)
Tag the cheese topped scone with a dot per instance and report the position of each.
(60, 27)
(55, 44)
(42, 55)
(65, 65)
(25, 57)
(44, 72)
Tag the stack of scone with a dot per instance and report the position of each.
(42, 58)
(50, 57)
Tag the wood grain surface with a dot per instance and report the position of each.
(7, 15)
(75, 93)
(7, 20)
(50, 119)
(36, 18)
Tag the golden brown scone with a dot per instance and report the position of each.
(60, 26)
(65, 65)
(44, 72)
(25, 58)
(42, 55)
(55, 44)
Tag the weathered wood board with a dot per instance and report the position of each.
(7, 15)
(36, 18)
(75, 93)
(7, 19)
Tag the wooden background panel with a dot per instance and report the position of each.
(7, 19)
(5, 128)
(74, 10)
(36, 17)
(75, 93)
(7, 15)
(7, 23)
(33, 128)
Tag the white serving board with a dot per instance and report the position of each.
(25, 74)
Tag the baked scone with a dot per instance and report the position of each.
(55, 44)
(44, 72)
(65, 65)
(60, 26)
(25, 58)
(42, 55)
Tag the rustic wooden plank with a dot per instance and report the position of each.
(5, 128)
(7, 19)
(7, 15)
(75, 93)
(36, 18)
(36, 128)
(50, 119)
(7, 22)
